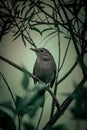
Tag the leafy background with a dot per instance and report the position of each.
(15, 46)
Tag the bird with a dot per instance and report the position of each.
(44, 67)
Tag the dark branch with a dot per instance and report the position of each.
(18, 67)
(63, 107)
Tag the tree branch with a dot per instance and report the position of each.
(67, 74)
(63, 107)
(18, 67)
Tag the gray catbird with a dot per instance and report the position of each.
(45, 66)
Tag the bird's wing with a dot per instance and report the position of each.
(52, 82)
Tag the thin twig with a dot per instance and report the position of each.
(54, 97)
(69, 72)
(65, 55)
(56, 87)
(70, 27)
(40, 118)
(8, 88)
(49, 15)
(29, 38)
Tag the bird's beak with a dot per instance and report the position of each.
(33, 49)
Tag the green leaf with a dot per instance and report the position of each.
(19, 33)
(38, 102)
(23, 38)
(31, 102)
(39, 4)
(47, 29)
(16, 33)
(24, 2)
(31, 16)
(22, 10)
(67, 37)
(36, 29)
(28, 12)
(18, 100)
(17, 7)
(17, 36)
(25, 80)
(48, 35)
(49, 5)
(79, 111)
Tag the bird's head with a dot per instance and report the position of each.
(42, 53)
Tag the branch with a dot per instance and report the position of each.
(54, 97)
(70, 28)
(63, 107)
(18, 67)
(57, 115)
(67, 74)
(49, 15)
(57, 76)
(40, 118)
(65, 54)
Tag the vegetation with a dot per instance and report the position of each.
(57, 17)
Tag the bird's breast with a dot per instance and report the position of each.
(44, 69)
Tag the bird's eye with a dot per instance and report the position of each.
(41, 50)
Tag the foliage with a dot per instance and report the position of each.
(80, 109)
(29, 104)
(57, 17)
(59, 127)
(28, 126)
(25, 81)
